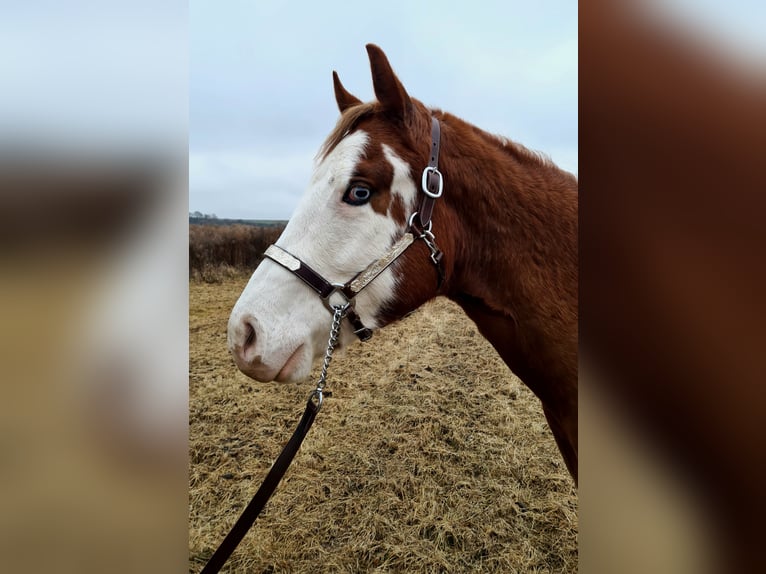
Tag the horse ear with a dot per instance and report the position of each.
(388, 89)
(345, 100)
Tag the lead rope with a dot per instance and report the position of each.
(246, 520)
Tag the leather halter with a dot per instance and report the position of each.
(418, 227)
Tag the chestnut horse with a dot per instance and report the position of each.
(500, 239)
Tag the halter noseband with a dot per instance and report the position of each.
(418, 227)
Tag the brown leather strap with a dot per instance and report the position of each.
(360, 330)
(432, 179)
(432, 186)
(258, 501)
(310, 277)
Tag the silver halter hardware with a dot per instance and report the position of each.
(338, 290)
(424, 182)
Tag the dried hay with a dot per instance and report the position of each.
(430, 456)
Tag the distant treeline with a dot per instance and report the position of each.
(217, 251)
(213, 220)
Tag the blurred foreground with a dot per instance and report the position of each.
(93, 287)
(93, 408)
(673, 195)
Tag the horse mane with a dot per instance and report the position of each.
(348, 119)
(520, 153)
(352, 115)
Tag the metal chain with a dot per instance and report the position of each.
(339, 311)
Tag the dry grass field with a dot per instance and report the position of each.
(430, 456)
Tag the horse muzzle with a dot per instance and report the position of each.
(246, 342)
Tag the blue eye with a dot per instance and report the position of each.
(357, 195)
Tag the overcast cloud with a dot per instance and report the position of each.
(261, 98)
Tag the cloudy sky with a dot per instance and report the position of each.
(261, 99)
(249, 81)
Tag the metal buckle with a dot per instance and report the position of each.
(338, 288)
(426, 230)
(424, 182)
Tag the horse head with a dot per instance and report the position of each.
(360, 207)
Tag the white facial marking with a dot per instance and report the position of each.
(289, 322)
(402, 185)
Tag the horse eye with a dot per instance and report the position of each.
(357, 195)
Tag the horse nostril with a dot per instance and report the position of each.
(243, 335)
(249, 335)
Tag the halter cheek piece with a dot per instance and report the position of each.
(418, 227)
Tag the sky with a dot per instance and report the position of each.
(245, 86)
(99, 76)
(260, 84)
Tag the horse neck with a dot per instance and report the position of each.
(515, 249)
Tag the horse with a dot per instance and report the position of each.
(489, 224)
